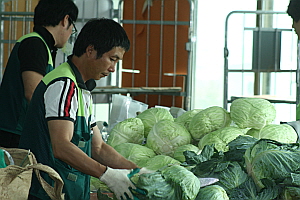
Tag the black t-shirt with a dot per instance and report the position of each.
(33, 54)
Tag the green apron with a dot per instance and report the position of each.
(76, 183)
(48, 69)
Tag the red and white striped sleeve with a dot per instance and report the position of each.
(61, 100)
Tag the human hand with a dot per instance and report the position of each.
(144, 170)
(118, 182)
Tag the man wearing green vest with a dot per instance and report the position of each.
(32, 58)
(60, 128)
(294, 12)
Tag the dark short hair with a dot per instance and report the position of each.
(51, 12)
(103, 34)
(294, 10)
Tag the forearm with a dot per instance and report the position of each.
(30, 80)
(110, 157)
(76, 158)
(61, 132)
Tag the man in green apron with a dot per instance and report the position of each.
(294, 12)
(60, 128)
(32, 58)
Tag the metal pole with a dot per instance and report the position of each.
(191, 55)
(298, 74)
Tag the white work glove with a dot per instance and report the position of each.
(144, 170)
(118, 182)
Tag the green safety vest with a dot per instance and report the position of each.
(15, 101)
(34, 34)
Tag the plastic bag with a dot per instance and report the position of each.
(124, 107)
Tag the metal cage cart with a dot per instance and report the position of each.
(160, 62)
(16, 20)
(260, 59)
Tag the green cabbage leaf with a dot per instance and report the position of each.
(209, 120)
(156, 187)
(283, 133)
(214, 192)
(252, 112)
(220, 138)
(186, 117)
(186, 184)
(178, 154)
(130, 130)
(136, 153)
(152, 115)
(160, 161)
(269, 159)
(166, 135)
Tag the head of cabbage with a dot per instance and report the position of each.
(166, 135)
(186, 117)
(152, 115)
(172, 182)
(215, 192)
(252, 112)
(209, 120)
(130, 130)
(283, 133)
(136, 153)
(220, 138)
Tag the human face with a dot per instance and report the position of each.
(296, 26)
(102, 67)
(68, 28)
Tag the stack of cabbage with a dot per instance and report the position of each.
(197, 142)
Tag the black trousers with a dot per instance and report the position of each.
(9, 140)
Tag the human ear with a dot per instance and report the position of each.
(89, 50)
(65, 21)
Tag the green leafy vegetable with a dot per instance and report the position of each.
(248, 191)
(220, 138)
(230, 174)
(193, 158)
(290, 193)
(212, 192)
(271, 159)
(186, 184)
(152, 115)
(172, 182)
(130, 130)
(136, 153)
(105, 196)
(178, 154)
(159, 161)
(252, 112)
(156, 187)
(186, 117)
(209, 120)
(165, 136)
(280, 132)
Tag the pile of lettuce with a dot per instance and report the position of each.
(252, 158)
(251, 169)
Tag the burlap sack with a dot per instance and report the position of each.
(15, 180)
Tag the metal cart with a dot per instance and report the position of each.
(259, 65)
